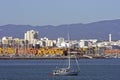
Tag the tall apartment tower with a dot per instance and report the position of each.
(31, 36)
(110, 37)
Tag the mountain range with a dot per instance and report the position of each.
(95, 30)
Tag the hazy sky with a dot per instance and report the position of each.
(56, 12)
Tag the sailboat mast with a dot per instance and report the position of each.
(69, 50)
(77, 62)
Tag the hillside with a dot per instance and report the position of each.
(98, 30)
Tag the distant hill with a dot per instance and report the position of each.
(97, 30)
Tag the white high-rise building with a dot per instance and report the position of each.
(81, 43)
(110, 37)
(31, 36)
(60, 42)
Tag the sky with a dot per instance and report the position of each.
(57, 12)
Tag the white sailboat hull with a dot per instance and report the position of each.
(65, 72)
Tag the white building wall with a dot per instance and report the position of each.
(82, 43)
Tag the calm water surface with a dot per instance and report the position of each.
(90, 69)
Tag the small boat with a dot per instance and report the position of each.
(68, 71)
(65, 72)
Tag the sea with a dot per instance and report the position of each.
(90, 69)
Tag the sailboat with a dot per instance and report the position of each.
(67, 71)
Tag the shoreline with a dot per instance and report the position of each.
(46, 58)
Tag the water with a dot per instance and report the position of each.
(90, 69)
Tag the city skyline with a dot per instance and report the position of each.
(54, 12)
